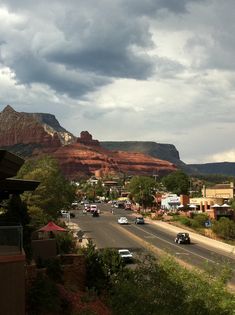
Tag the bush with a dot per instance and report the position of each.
(65, 243)
(185, 221)
(54, 270)
(43, 297)
(200, 219)
(224, 228)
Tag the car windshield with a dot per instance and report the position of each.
(183, 235)
(125, 252)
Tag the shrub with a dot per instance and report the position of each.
(43, 296)
(200, 219)
(224, 228)
(54, 270)
(65, 243)
(185, 221)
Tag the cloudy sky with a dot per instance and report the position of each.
(154, 70)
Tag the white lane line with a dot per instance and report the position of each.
(172, 244)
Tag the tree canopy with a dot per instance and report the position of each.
(142, 190)
(177, 183)
(54, 191)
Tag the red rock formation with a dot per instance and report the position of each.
(82, 158)
(86, 139)
(78, 159)
(20, 128)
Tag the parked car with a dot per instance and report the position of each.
(126, 255)
(123, 220)
(182, 238)
(139, 220)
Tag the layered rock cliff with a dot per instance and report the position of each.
(35, 134)
(84, 159)
(42, 130)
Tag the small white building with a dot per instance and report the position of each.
(170, 202)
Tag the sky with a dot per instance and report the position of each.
(136, 70)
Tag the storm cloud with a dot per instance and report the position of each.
(159, 70)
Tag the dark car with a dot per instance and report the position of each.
(95, 214)
(139, 220)
(182, 238)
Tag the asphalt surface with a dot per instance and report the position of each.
(106, 232)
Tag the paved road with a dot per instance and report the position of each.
(106, 232)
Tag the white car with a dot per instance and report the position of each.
(125, 254)
(93, 208)
(123, 220)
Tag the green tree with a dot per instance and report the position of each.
(142, 190)
(177, 182)
(164, 287)
(54, 191)
(224, 228)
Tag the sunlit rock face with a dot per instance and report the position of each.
(36, 134)
(35, 128)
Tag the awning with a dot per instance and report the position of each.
(216, 206)
(52, 227)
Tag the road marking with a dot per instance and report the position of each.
(177, 246)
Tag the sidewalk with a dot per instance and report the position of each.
(74, 228)
(196, 237)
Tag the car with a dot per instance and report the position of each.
(182, 238)
(93, 208)
(75, 203)
(63, 212)
(95, 214)
(123, 220)
(139, 220)
(87, 207)
(126, 255)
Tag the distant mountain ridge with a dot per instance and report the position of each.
(219, 168)
(28, 134)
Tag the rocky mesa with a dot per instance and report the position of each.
(35, 134)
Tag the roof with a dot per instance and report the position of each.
(221, 186)
(9, 164)
(50, 227)
(17, 186)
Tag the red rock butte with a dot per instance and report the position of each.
(78, 157)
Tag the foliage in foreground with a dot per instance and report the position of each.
(158, 287)
(166, 288)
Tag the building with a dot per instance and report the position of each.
(224, 191)
(12, 256)
(170, 202)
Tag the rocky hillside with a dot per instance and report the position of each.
(35, 134)
(86, 157)
(35, 130)
(161, 151)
